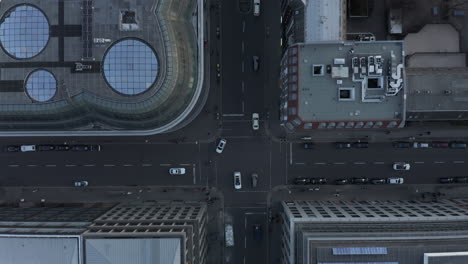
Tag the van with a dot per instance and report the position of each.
(256, 7)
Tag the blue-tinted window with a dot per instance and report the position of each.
(41, 85)
(130, 66)
(24, 31)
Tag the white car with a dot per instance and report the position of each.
(28, 148)
(177, 171)
(401, 166)
(395, 180)
(81, 183)
(420, 145)
(221, 145)
(255, 121)
(237, 180)
(256, 7)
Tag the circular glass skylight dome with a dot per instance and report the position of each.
(41, 85)
(24, 31)
(130, 66)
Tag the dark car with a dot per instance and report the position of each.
(95, 147)
(257, 232)
(80, 148)
(360, 145)
(457, 145)
(301, 181)
(341, 181)
(440, 144)
(342, 145)
(360, 180)
(308, 145)
(318, 181)
(461, 179)
(12, 148)
(401, 144)
(378, 181)
(45, 147)
(62, 147)
(446, 180)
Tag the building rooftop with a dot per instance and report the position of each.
(97, 65)
(324, 20)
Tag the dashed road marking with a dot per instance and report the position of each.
(439, 162)
(109, 165)
(51, 165)
(70, 165)
(379, 162)
(127, 165)
(359, 163)
(146, 165)
(90, 165)
(185, 164)
(339, 163)
(299, 163)
(13, 165)
(164, 164)
(419, 162)
(458, 161)
(320, 163)
(31, 165)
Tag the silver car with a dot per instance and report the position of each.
(395, 181)
(177, 171)
(81, 183)
(237, 180)
(221, 145)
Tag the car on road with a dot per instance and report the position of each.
(457, 145)
(341, 181)
(308, 145)
(255, 121)
(301, 181)
(256, 63)
(254, 179)
(95, 147)
(342, 145)
(81, 183)
(359, 180)
(318, 181)
(360, 144)
(420, 145)
(256, 7)
(45, 147)
(401, 166)
(12, 148)
(28, 148)
(237, 180)
(177, 171)
(229, 235)
(62, 147)
(439, 144)
(446, 180)
(79, 148)
(378, 181)
(401, 144)
(257, 232)
(395, 180)
(221, 145)
(461, 179)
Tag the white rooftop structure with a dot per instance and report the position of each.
(323, 20)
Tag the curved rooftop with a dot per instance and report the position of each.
(98, 67)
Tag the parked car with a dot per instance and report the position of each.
(360, 145)
(359, 180)
(45, 147)
(378, 181)
(81, 183)
(420, 145)
(446, 180)
(256, 63)
(457, 145)
(237, 180)
(221, 145)
(12, 148)
(62, 147)
(440, 144)
(308, 145)
(318, 181)
(229, 235)
(401, 144)
(255, 121)
(301, 181)
(79, 148)
(342, 145)
(341, 181)
(256, 7)
(401, 166)
(254, 179)
(95, 147)
(177, 171)
(461, 179)
(395, 180)
(257, 232)
(28, 148)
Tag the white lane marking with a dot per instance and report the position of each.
(128, 165)
(290, 154)
(379, 162)
(90, 165)
(254, 213)
(419, 162)
(320, 163)
(439, 162)
(299, 163)
(359, 163)
(185, 164)
(245, 242)
(146, 165)
(165, 164)
(243, 106)
(243, 66)
(339, 163)
(31, 165)
(243, 26)
(51, 165)
(243, 47)
(13, 165)
(243, 87)
(458, 161)
(109, 165)
(70, 165)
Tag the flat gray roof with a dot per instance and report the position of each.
(318, 94)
